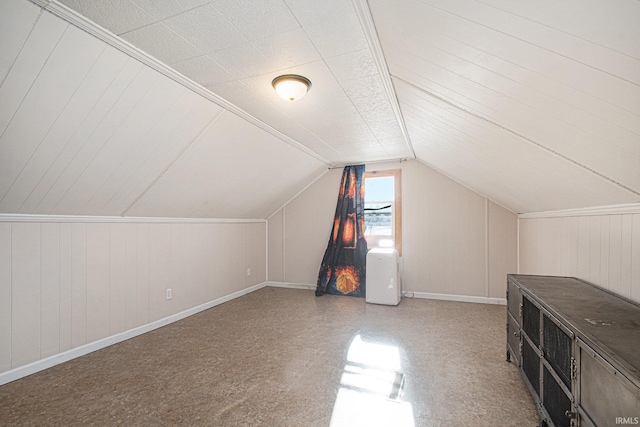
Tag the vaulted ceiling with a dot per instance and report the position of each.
(149, 108)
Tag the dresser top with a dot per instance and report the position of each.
(601, 319)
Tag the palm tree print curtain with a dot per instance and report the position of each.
(343, 267)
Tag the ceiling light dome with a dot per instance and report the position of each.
(291, 87)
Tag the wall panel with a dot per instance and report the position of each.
(565, 229)
(50, 282)
(98, 303)
(594, 249)
(16, 19)
(444, 234)
(35, 52)
(574, 246)
(78, 284)
(603, 249)
(142, 275)
(5, 296)
(177, 270)
(258, 239)
(602, 258)
(584, 245)
(66, 284)
(615, 254)
(276, 248)
(117, 278)
(25, 293)
(635, 258)
(502, 246)
(130, 274)
(626, 259)
(159, 270)
(308, 220)
(195, 238)
(65, 69)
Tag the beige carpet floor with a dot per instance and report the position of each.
(282, 357)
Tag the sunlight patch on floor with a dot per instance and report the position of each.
(371, 386)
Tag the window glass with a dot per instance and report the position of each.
(378, 203)
(383, 209)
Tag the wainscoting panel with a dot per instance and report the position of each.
(602, 249)
(68, 284)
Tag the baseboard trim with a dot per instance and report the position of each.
(288, 285)
(425, 295)
(459, 298)
(40, 365)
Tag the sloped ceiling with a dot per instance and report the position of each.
(88, 130)
(535, 105)
(235, 48)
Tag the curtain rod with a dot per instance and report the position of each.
(340, 166)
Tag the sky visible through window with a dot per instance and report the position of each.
(378, 189)
(378, 192)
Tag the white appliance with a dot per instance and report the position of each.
(383, 276)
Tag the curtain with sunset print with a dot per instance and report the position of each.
(342, 271)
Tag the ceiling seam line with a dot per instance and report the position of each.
(537, 91)
(558, 30)
(26, 40)
(529, 140)
(47, 133)
(177, 159)
(28, 91)
(115, 168)
(84, 143)
(159, 21)
(526, 42)
(108, 139)
(73, 136)
(537, 72)
(144, 162)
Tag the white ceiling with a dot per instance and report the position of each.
(535, 105)
(235, 48)
(87, 130)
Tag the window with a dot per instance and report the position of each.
(383, 209)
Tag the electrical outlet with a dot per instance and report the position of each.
(248, 272)
(169, 295)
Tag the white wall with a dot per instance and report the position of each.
(502, 234)
(299, 232)
(603, 249)
(67, 284)
(455, 242)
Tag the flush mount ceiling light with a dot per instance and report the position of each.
(291, 87)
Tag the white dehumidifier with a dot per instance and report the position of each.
(383, 284)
